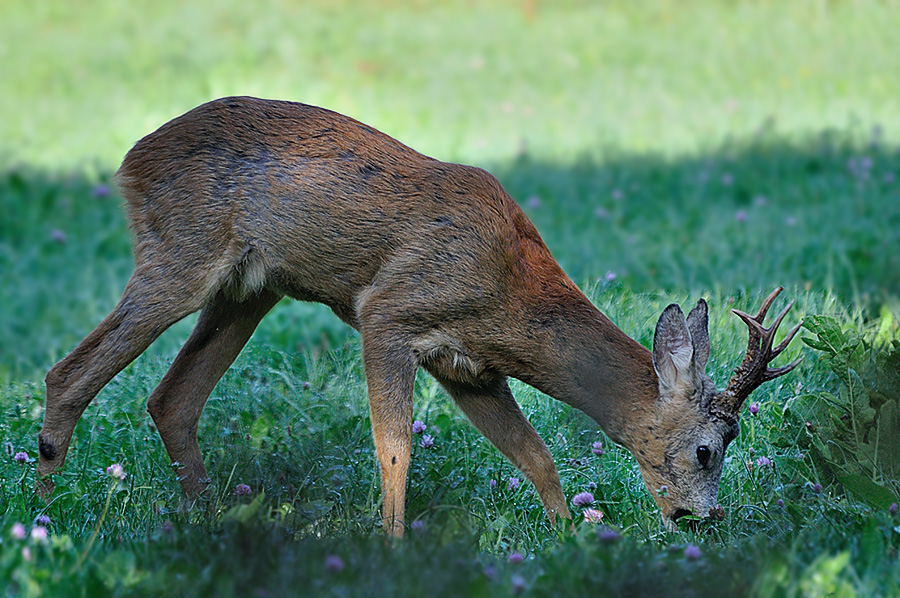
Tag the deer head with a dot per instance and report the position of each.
(693, 421)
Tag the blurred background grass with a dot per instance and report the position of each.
(463, 81)
(680, 146)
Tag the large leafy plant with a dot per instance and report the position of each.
(853, 433)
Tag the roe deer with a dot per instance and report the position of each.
(242, 201)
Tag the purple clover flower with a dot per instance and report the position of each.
(418, 427)
(519, 584)
(608, 535)
(242, 490)
(43, 520)
(893, 509)
(754, 408)
(101, 191)
(492, 483)
(513, 484)
(817, 488)
(780, 503)
(58, 236)
(763, 462)
(597, 448)
(692, 553)
(417, 526)
(427, 441)
(583, 499)
(21, 457)
(334, 564)
(515, 558)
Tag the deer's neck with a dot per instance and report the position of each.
(584, 360)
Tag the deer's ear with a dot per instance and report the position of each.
(697, 322)
(673, 353)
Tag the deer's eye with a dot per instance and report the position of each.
(703, 454)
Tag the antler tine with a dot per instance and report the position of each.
(751, 321)
(754, 368)
(774, 373)
(767, 303)
(787, 340)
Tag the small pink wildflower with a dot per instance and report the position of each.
(116, 471)
(513, 483)
(18, 531)
(609, 276)
(583, 499)
(534, 202)
(42, 520)
(26, 553)
(492, 483)
(893, 509)
(58, 236)
(242, 490)
(427, 441)
(101, 191)
(754, 408)
(39, 533)
(21, 457)
(763, 462)
(417, 526)
(597, 448)
(817, 488)
(593, 515)
(780, 503)
(740, 216)
(418, 427)
(334, 564)
(515, 558)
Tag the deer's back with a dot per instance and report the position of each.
(322, 207)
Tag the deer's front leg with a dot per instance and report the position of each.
(495, 412)
(390, 375)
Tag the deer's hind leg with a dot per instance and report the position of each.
(222, 330)
(153, 300)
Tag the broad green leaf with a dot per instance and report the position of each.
(830, 337)
(888, 439)
(866, 490)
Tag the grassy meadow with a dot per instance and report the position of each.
(666, 151)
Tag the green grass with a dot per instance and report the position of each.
(692, 149)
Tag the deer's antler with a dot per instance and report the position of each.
(754, 369)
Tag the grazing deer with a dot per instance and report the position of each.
(242, 201)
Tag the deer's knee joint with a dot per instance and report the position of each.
(54, 380)
(47, 449)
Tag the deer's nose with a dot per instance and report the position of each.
(679, 513)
